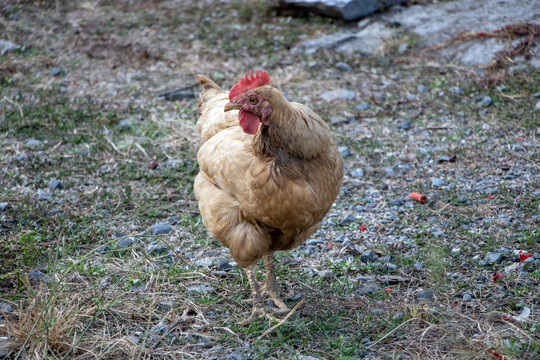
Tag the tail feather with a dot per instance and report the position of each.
(210, 90)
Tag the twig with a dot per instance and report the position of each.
(282, 320)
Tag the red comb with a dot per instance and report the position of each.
(249, 82)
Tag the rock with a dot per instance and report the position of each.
(343, 66)
(485, 101)
(368, 289)
(412, 97)
(200, 289)
(7, 46)
(437, 23)
(43, 195)
(368, 256)
(172, 163)
(33, 143)
(56, 71)
(402, 48)
(537, 106)
(390, 267)
(160, 229)
(406, 125)
(204, 262)
(54, 184)
(344, 151)
(349, 219)
(396, 202)
(125, 124)
(5, 307)
(362, 107)
(457, 90)
(426, 295)
(436, 182)
(467, 297)
(389, 172)
(124, 243)
(512, 268)
(39, 276)
(103, 249)
(234, 356)
(325, 274)
(446, 158)
(339, 120)
(3, 206)
(173, 220)
(422, 88)
(419, 265)
(345, 9)
(341, 94)
(297, 297)
(155, 249)
(456, 251)
(357, 173)
(223, 264)
(493, 258)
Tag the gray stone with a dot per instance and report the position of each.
(347, 220)
(467, 297)
(7, 46)
(436, 182)
(426, 295)
(325, 274)
(368, 289)
(412, 97)
(357, 173)
(43, 195)
(56, 71)
(54, 184)
(200, 289)
(493, 258)
(3, 206)
(342, 94)
(39, 276)
(124, 243)
(343, 66)
(406, 125)
(345, 9)
(421, 88)
(204, 262)
(362, 107)
(418, 265)
(389, 172)
(437, 23)
(160, 229)
(339, 120)
(396, 202)
(172, 163)
(390, 267)
(155, 249)
(103, 249)
(223, 264)
(537, 106)
(485, 101)
(456, 90)
(368, 256)
(5, 307)
(33, 143)
(125, 124)
(344, 151)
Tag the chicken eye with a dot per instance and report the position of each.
(253, 100)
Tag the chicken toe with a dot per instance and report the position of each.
(271, 288)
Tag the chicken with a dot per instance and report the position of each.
(269, 172)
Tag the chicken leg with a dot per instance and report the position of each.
(258, 308)
(271, 288)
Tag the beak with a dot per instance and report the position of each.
(231, 106)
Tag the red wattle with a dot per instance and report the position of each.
(248, 122)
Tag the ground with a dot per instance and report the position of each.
(102, 249)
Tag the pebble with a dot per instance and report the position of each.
(347, 220)
(493, 258)
(3, 206)
(406, 125)
(368, 256)
(33, 143)
(456, 90)
(160, 229)
(419, 265)
(362, 107)
(343, 66)
(422, 88)
(125, 124)
(5, 307)
(204, 262)
(357, 173)
(390, 267)
(56, 71)
(54, 184)
(339, 120)
(368, 289)
(124, 243)
(43, 195)
(437, 182)
(341, 94)
(325, 274)
(223, 264)
(389, 172)
(7, 46)
(200, 289)
(344, 151)
(155, 249)
(426, 295)
(485, 101)
(39, 276)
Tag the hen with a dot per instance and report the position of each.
(269, 172)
